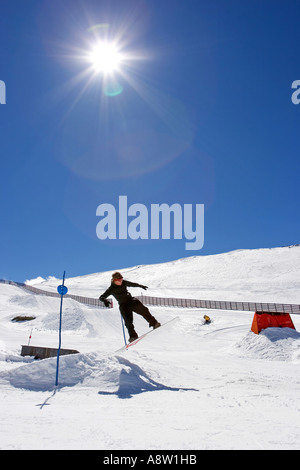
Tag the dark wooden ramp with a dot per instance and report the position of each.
(40, 352)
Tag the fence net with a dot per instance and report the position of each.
(176, 302)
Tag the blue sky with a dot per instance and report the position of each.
(204, 117)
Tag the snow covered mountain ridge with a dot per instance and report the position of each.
(260, 275)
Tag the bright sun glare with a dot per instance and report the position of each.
(105, 57)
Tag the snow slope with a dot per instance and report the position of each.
(265, 275)
(188, 386)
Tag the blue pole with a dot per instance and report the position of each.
(61, 290)
(123, 329)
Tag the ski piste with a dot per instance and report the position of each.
(128, 345)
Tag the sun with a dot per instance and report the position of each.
(105, 57)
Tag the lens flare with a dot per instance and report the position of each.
(112, 88)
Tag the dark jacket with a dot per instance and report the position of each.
(120, 293)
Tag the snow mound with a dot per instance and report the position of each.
(24, 300)
(73, 369)
(74, 319)
(272, 344)
(114, 375)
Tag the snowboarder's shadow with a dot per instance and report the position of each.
(133, 381)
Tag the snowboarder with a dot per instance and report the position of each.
(128, 304)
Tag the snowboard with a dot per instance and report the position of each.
(133, 343)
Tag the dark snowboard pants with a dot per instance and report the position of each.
(134, 305)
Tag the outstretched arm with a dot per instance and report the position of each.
(135, 284)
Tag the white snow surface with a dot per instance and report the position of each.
(186, 386)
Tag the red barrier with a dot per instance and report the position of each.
(263, 320)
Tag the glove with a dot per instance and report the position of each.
(105, 301)
(144, 287)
